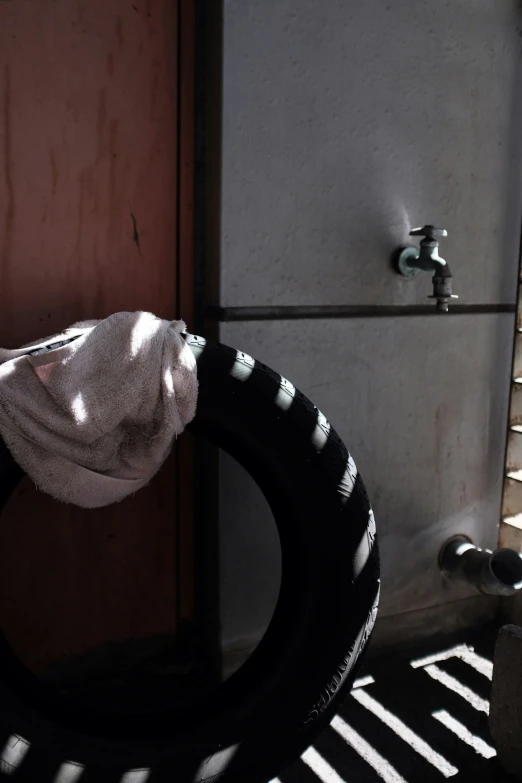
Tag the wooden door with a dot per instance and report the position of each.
(95, 218)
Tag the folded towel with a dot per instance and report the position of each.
(94, 418)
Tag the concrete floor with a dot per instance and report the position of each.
(416, 716)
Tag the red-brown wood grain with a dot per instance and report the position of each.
(91, 176)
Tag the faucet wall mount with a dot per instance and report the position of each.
(412, 260)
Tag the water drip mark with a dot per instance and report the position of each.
(135, 235)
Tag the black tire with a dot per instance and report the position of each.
(272, 709)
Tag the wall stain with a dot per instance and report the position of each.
(8, 175)
(135, 234)
(441, 417)
(148, 8)
(463, 495)
(54, 171)
(100, 123)
(110, 64)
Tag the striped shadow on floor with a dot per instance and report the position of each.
(410, 719)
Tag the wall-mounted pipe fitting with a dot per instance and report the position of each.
(411, 261)
(491, 573)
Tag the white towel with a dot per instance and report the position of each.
(92, 421)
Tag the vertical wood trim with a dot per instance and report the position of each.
(185, 295)
(209, 107)
(186, 85)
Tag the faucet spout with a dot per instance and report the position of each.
(442, 287)
(412, 261)
(442, 282)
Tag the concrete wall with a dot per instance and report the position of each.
(345, 125)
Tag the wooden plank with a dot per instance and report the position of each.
(88, 194)
(186, 162)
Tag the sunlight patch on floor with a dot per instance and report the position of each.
(462, 651)
(463, 733)
(405, 733)
(436, 673)
(382, 767)
(362, 682)
(321, 767)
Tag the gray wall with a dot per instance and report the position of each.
(344, 125)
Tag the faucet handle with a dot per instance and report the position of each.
(429, 232)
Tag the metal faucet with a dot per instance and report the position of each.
(411, 261)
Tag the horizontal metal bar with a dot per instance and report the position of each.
(305, 312)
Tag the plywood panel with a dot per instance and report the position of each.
(88, 201)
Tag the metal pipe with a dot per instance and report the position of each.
(491, 573)
(307, 312)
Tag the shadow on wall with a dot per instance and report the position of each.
(248, 593)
